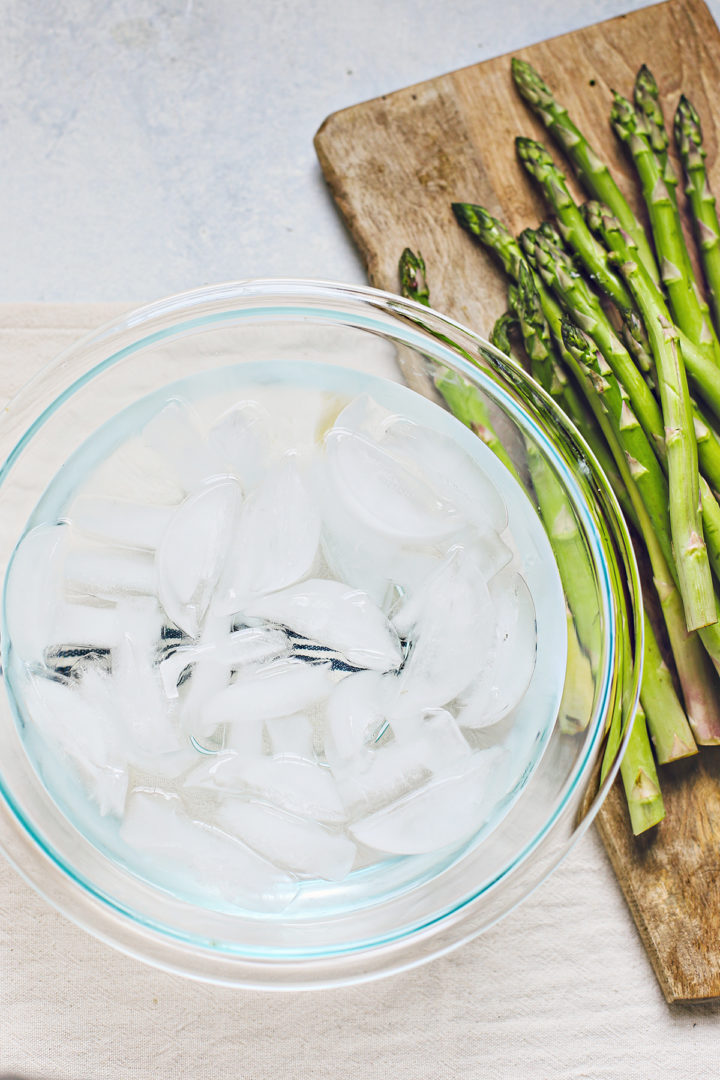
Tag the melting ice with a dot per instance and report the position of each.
(266, 657)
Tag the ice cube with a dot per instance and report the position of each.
(120, 521)
(208, 678)
(446, 810)
(32, 589)
(362, 557)
(384, 493)
(276, 539)
(136, 473)
(354, 717)
(86, 625)
(303, 846)
(364, 416)
(448, 469)
(109, 573)
(176, 434)
(378, 775)
(240, 648)
(193, 550)
(136, 683)
(511, 660)
(435, 737)
(275, 689)
(244, 736)
(156, 824)
(90, 736)
(449, 622)
(336, 615)
(292, 736)
(241, 438)
(300, 787)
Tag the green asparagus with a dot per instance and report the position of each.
(559, 274)
(650, 301)
(461, 398)
(640, 779)
(647, 102)
(575, 232)
(692, 658)
(689, 140)
(686, 303)
(669, 728)
(592, 171)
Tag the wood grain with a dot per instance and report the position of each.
(394, 165)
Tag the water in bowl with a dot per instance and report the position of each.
(282, 634)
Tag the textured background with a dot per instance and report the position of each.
(151, 146)
(154, 146)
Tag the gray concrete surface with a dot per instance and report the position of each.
(154, 145)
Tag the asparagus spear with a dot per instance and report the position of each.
(592, 171)
(558, 272)
(675, 269)
(669, 729)
(575, 232)
(500, 336)
(647, 102)
(491, 233)
(525, 303)
(640, 779)
(699, 686)
(689, 140)
(545, 252)
(650, 301)
(639, 454)
(462, 399)
(529, 309)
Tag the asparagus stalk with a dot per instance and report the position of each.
(669, 728)
(640, 779)
(500, 336)
(689, 140)
(682, 463)
(530, 314)
(632, 329)
(575, 232)
(708, 445)
(462, 399)
(638, 452)
(525, 303)
(650, 301)
(675, 269)
(556, 268)
(692, 660)
(492, 234)
(593, 172)
(647, 102)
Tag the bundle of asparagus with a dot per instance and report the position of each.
(615, 326)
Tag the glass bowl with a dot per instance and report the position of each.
(400, 919)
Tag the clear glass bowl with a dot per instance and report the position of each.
(417, 917)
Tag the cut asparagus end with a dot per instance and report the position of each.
(640, 779)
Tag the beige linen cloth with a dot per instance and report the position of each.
(560, 989)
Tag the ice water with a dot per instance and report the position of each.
(279, 626)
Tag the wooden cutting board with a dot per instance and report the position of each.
(394, 165)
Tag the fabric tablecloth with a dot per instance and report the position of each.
(561, 988)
